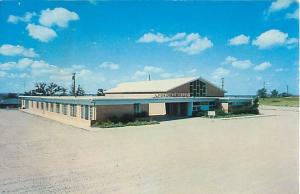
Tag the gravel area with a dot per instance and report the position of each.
(195, 155)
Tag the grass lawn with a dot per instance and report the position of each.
(280, 101)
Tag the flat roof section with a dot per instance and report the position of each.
(102, 100)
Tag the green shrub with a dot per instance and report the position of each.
(109, 124)
(220, 112)
(113, 119)
(246, 109)
(199, 113)
(123, 119)
(142, 114)
(127, 118)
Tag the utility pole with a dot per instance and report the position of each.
(264, 84)
(24, 86)
(287, 90)
(74, 86)
(149, 77)
(222, 79)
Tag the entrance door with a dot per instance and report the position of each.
(176, 109)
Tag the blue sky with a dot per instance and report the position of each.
(106, 43)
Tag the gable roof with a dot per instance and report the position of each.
(153, 85)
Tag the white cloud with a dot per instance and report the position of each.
(150, 69)
(151, 37)
(273, 38)
(18, 75)
(16, 19)
(294, 15)
(12, 50)
(258, 78)
(220, 72)
(23, 63)
(245, 64)
(190, 44)
(41, 33)
(48, 18)
(263, 66)
(146, 70)
(58, 16)
(240, 64)
(239, 40)
(7, 65)
(162, 73)
(109, 65)
(192, 71)
(280, 5)
(138, 74)
(40, 65)
(230, 59)
(281, 69)
(40, 70)
(2, 74)
(160, 38)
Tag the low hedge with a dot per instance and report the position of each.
(110, 124)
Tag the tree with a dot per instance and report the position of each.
(284, 94)
(100, 92)
(52, 89)
(12, 95)
(30, 93)
(254, 106)
(40, 89)
(63, 91)
(274, 93)
(80, 91)
(262, 93)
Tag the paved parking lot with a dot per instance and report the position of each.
(196, 155)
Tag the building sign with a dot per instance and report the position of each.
(163, 95)
(211, 113)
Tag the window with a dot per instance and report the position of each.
(51, 106)
(26, 104)
(197, 88)
(57, 108)
(136, 108)
(73, 110)
(64, 109)
(91, 113)
(82, 111)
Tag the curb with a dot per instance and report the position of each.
(246, 117)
